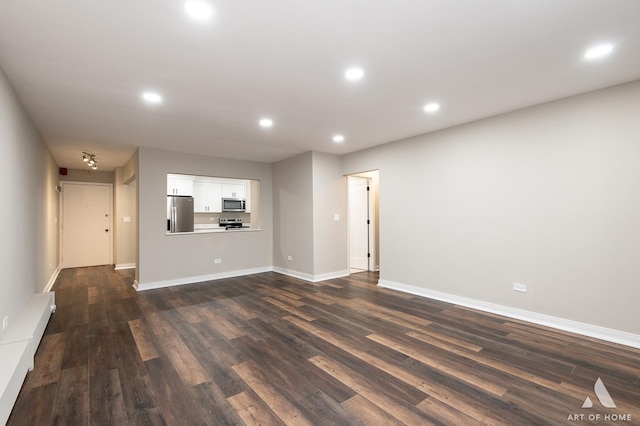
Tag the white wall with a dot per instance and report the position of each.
(48, 239)
(88, 175)
(165, 258)
(308, 190)
(293, 214)
(29, 245)
(330, 238)
(547, 196)
(125, 197)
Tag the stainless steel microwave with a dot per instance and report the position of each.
(233, 205)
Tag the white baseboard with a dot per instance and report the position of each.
(331, 275)
(120, 266)
(52, 280)
(603, 333)
(309, 277)
(294, 274)
(199, 278)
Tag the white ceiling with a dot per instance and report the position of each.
(80, 66)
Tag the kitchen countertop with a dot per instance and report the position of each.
(213, 229)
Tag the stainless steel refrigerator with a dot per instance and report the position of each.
(179, 213)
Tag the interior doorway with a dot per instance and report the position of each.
(363, 221)
(86, 224)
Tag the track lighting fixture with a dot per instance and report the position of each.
(90, 159)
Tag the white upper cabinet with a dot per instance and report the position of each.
(207, 197)
(208, 192)
(178, 185)
(234, 190)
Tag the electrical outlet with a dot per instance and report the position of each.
(520, 287)
(217, 261)
(5, 323)
(289, 257)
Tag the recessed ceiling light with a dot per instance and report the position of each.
(152, 97)
(266, 122)
(431, 107)
(599, 51)
(338, 138)
(198, 9)
(354, 74)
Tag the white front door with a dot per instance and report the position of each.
(358, 223)
(86, 224)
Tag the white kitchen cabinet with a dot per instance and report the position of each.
(177, 185)
(234, 190)
(207, 197)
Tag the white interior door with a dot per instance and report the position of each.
(86, 224)
(358, 223)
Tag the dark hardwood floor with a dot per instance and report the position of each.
(268, 349)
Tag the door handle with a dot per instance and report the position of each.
(106, 230)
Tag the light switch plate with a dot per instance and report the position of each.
(520, 287)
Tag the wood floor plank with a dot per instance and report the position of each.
(140, 402)
(48, 361)
(489, 361)
(188, 367)
(92, 293)
(174, 399)
(429, 387)
(76, 347)
(465, 374)
(376, 366)
(215, 407)
(144, 339)
(128, 359)
(444, 414)
(362, 387)
(282, 369)
(467, 398)
(224, 325)
(283, 408)
(101, 357)
(106, 405)
(386, 314)
(323, 409)
(236, 306)
(253, 411)
(270, 349)
(34, 406)
(71, 404)
(368, 413)
(291, 309)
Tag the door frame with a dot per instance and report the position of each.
(62, 218)
(372, 198)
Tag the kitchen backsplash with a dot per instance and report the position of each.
(208, 218)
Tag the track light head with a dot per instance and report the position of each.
(90, 159)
